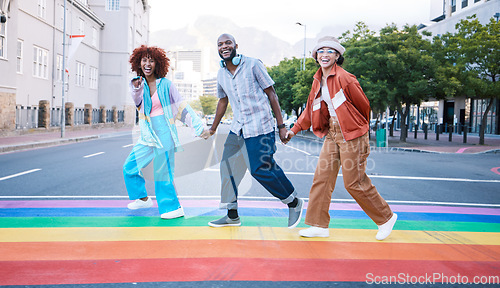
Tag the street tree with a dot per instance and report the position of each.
(409, 69)
(292, 84)
(208, 104)
(475, 50)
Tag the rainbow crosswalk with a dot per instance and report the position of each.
(101, 241)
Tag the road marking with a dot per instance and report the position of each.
(19, 174)
(461, 150)
(496, 170)
(125, 146)
(217, 197)
(92, 155)
(394, 177)
(307, 153)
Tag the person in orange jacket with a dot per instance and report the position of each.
(338, 109)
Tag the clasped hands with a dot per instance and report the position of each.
(207, 133)
(285, 135)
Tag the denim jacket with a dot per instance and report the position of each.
(174, 107)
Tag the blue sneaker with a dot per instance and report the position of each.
(225, 221)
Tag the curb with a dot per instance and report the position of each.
(48, 143)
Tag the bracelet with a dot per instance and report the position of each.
(281, 126)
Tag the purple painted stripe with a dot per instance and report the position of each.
(242, 204)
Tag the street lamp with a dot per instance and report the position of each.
(304, 61)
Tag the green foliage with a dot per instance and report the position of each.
(292, 85)
(196, 105)
(398, 68)
(208, 104)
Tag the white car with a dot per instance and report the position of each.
(290, 121)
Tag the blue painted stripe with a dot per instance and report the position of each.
(260, 212)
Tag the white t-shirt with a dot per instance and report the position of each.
(325, 96)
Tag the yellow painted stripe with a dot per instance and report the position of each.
(237, 233)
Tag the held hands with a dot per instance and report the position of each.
(207, 133)
(285, 135)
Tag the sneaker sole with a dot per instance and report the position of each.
(167, 218)
(139, 208)
(315, 236)
(223, 225)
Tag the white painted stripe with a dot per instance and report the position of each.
(125, 146)
(19, 174)
(254, 198)
(92, 155)
(393, 177)
(434, 179)
(307, 153)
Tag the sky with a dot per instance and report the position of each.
(279, 17)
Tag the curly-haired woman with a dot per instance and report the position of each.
(159, 105)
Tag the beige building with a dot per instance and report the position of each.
(31, 57)
(445, 14)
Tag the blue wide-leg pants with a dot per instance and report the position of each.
(163, 165)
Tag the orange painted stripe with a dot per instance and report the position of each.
(229, 269)
(97, 250)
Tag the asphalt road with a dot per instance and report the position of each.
(94, 169)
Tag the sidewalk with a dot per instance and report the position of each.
(45, 139)
(431, 145)
(40, 138)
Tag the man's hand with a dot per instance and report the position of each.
(137, 82)
(283, 132)
(288, 136)
(207, 133)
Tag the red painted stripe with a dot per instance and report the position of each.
(229, 269)
(496, 170)
(182, 249)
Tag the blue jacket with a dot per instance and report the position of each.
(174, 108)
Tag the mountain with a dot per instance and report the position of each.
(203, 34)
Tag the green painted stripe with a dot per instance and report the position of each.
(40, 222)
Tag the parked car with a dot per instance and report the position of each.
(210, 119)
(290, 121)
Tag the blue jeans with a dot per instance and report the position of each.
(163, 166)
(256, 154)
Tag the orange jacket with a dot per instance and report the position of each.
(349, 100)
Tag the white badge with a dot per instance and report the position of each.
(316, 104)
(338, 99)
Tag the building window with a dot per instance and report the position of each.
(19, 52)
(94, 37)
(81, 26)
(3, 40)
(42, 8)
(40, 62)
(479, 107)
(93, 78)
(465, 3)
(453, 6)
(475, 1)
(80, 74)
(112, 5)
(59, 67)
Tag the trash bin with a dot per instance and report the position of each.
(381, 136)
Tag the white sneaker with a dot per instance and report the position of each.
(315, 232)
(385, 229)
(173, 214)
(140, 204)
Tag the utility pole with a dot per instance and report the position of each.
(63, 109)
(304, 60)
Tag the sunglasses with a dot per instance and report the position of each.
(329, 51)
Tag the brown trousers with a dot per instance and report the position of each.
(351, 155)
